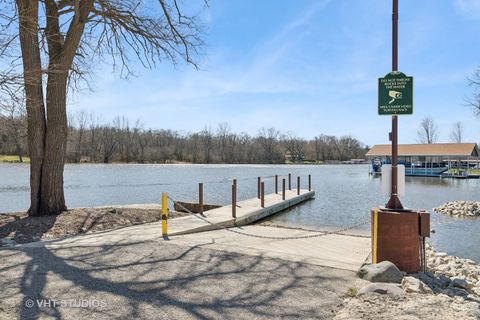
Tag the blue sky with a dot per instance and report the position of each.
(308, 67)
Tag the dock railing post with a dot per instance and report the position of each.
(289, 181)
(262, 199)
(258, 187)
(309, 182)
(283, 189)
(234, 199)
(200, 198)
(298, 185)
(276, 184)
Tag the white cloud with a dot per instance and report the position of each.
(468, 8)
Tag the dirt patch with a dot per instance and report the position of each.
(22, 228)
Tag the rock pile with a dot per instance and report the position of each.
(451, 275)
(459, 208)
(450, 289)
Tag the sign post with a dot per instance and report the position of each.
(396, 232)
(394, 202)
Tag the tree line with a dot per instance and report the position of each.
(121, 140)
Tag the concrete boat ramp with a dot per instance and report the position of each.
(241, 272)
(217, 230)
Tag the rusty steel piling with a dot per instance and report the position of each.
(298, 185)
(262, 199)
(276, 184)
(258, 187)
(200, 198)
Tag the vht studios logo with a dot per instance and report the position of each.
(71, 303)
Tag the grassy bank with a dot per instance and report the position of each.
(13, 159)
(471, 171)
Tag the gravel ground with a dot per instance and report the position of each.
(160, 280)
(22, 228)
(450, 289)
(411, 306)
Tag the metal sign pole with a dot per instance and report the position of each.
(394, 202)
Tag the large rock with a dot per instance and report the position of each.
(381, 288)
(411, 284)
(384, 271)
(7, 243)
(461, 283)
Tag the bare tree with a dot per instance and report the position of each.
(223, 133)
(456, 134)
(58, 43)
(295, 146)
(95, 138)
(80, 122)
(474, 100)
(14, 122)
(268, 139)
(109, 143)
(428, 131)
(207, 144)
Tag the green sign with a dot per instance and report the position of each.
(395, 94)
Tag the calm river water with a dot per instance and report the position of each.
(344, 193)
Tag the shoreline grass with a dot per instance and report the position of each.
(13, 159)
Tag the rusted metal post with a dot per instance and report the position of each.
(262, 199)
(289, 181)
(258, 187)
(283, 189)
(200, 198)
(276, 184)
(309, 182)
(298, 185)
(234, 200)
(394, 202)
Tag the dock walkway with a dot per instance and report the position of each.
(247, 212)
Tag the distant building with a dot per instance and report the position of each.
(427, 159)
(85, 159)
(296, 157)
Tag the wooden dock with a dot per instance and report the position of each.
(247, 212)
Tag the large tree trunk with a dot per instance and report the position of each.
(47, 139)
(28, 14)
(52, 195)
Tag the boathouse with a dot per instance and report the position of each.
(436, 159)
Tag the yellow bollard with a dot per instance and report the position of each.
(375, 235)
(164, 215)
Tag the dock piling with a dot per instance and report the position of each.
(262, 199)
(200, 198)
(298, 185)
(283, 189)
(234, 199)
(276, 184)
(258, 187)
(309, 182)
(289, 181)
